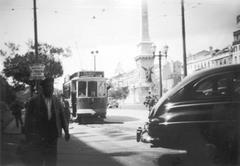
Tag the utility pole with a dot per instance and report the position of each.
(160, 55)
(160, 74)
(35, 39)
(184, 40)
(35, 29)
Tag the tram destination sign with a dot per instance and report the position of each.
(37, 72)
(87, 74)
(91, 74)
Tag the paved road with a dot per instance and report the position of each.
(112, 143)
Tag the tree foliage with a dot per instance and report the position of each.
(17, 65)
(118, 93)
(7, 93)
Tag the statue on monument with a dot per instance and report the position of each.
(148, 73)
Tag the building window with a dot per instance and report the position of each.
(224, 62)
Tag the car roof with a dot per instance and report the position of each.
(203, 72)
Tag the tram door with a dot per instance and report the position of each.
(74, 98)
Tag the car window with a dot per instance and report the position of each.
(178, 96)
(213, 86)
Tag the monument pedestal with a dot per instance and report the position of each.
(138, 92)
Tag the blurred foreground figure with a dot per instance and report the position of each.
(44, 122)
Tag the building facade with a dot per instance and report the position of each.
(236, 47)
(209, 58)
(215, 57)
(171, 75)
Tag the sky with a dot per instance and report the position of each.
(113, 27)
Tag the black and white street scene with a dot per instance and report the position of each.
(120, 83)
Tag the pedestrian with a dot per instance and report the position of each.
(66, 108)
(149, 101)
(16, 108)
(44, 122)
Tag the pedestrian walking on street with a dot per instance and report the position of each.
(16, 108)
(66, 108)
(43, 125)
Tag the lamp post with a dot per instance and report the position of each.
(160, 55)
(94, 56)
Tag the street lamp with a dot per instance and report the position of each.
(94, 55)
(161, 54)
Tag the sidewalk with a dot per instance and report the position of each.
(11, 137)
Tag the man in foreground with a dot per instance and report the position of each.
(44, 122)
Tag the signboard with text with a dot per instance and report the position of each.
(88, 74)
(37, 72)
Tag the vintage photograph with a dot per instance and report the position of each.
(120, 82)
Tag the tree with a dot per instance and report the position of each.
(118, 93)
(17, 66)
(7, 93)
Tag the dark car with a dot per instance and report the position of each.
(202, 113)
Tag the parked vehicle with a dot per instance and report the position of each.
(112, 103)
(202, 114)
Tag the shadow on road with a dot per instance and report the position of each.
(76, 152)
(72, 153)
(110, 120)
(186, 160)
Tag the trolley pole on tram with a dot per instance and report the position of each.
(94, 53)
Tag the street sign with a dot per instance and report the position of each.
(37, 72)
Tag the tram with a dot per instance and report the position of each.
(86, 93)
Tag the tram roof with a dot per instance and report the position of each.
(87, 75)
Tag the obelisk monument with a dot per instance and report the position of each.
(145, 58)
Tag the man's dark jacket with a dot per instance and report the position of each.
(36, 120)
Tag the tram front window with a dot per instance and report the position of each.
(92, 89)
(82, 88)
(102, 89)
